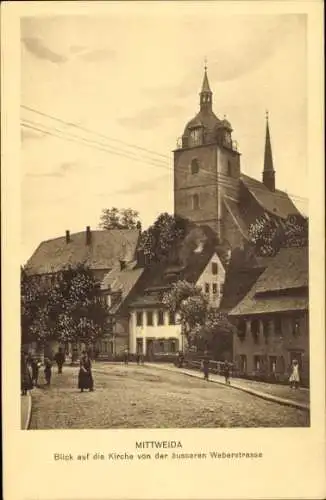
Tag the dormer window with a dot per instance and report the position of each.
(196, 136)
(194, 166)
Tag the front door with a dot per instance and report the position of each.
(298, 356)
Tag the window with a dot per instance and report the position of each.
(206, 287)
(229, 169)
(272, 365)
(257, 363)
(266, 329)
(171, 318)
(195, 201)
(278, 325)
(221, 288)
(243, 363)
(172, 348)
(255, 330)
(160, 318)
(161, 346)
(150, 318)
(196, 136)
(242, 330)
(194, 166)
(214, 268)
(139, 319)
(214, 286)
(296, 327)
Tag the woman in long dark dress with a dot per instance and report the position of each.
(85, 377)
(25, 376)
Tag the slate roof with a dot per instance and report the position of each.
(123, 282)
(105, 249)
(274, 202)
(234, 210)
(283, 286)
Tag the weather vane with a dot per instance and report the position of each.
(205, 63)
(266, 114)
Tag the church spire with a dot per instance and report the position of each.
(206, 93)
(269, 172)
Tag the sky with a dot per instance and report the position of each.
(132, 80)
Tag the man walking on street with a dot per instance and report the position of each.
(227, 372)
(205, 365)
(59, 359)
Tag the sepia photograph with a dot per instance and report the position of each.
(164, 254)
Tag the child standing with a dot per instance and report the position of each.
(294, 377)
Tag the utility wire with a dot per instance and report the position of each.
(121, 152)
(71, 124)
(87, 143)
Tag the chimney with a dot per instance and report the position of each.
(88, 235)
(67, 236)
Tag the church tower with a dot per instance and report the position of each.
(206, 166)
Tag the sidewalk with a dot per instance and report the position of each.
(281, 394)
(25, 410)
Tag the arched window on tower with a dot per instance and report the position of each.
(195, 201)
(194, 166)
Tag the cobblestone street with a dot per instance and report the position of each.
(145, 397)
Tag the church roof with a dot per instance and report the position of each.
(105, 249)
(283, 286)
(275, 202)
(205, 86)
(204, 118)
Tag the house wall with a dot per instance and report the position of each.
(208, 278)
(280, 343)
(153, 335)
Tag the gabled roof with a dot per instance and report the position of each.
(283, 286)
(103, 252)
(188, 263)
(122, 281)
(274, 202)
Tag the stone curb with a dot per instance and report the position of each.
(29, 412)
(262, 395)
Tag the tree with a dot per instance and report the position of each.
(115, 218)
(270, 234)
(34, 312)
(66, 308)
(203, 326)
(161, 237)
